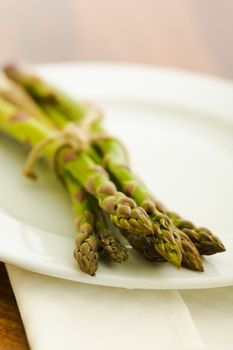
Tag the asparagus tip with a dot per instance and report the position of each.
(112, 247)
(194, 265)
(89, 266)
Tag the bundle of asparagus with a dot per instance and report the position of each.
(95, 170)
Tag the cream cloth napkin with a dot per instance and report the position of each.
(59, 314)
(212, 312)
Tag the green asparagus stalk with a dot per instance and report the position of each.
(111, 246)
(42, 91)
(123, 211)
(87, 251)
(14, 93)
(55, 116)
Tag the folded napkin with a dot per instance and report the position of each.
(212, 312)
(59, 314)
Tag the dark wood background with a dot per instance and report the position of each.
(190, 34)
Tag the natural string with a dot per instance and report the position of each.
(76, 135)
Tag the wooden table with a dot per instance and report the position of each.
(188, 34)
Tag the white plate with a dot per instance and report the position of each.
(178, 128)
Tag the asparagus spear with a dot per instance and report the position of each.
(42, 91)
(190, 256)
(206, 242)
(123, 211)
(93, 236)
(16, 94)
(87, 251)
(144, 244)
(111, 246)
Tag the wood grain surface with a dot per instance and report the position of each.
(12, 335)
(190, 34)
